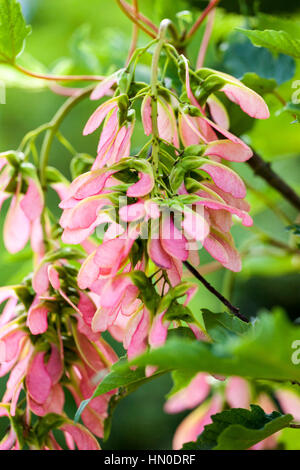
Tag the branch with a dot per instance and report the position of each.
(264, 170)
(232, 308)
(202, 17)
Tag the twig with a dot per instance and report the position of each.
(202, 17)
(232, 308)
(264, 170)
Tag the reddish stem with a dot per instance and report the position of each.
(202, 17)
(127, 9)
(60, 78)
(141, 17)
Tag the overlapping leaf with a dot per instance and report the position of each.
(263, 352)
(239, 429)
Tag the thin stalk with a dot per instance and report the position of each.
(34, 152)
(54, 125)
(60, 78)
(46, 146)
(202, 17)
(135, 32)
(141, 17)
(279, 97)
(129, 13)
(65, 143)
(33, 134)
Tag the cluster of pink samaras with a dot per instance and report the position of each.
(54, 340)
(93, 196)
(47, 346)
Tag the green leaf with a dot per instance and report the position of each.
(148, 294)
(24, 295)
(125, 379)
(259, 84)
(182, 333)
(276, 41)
(46, 424)
(29, 170)
(13, 157)
(181, 379)
(220, 326)
(178, 312)
(13, 30)
(53, 175)
(242, 57)
(65, 252)
(265, 352)
(239, 429)
(81, 163)
(174, 293)
(118, 378)
(176, 177)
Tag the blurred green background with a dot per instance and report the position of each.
(93, 37)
